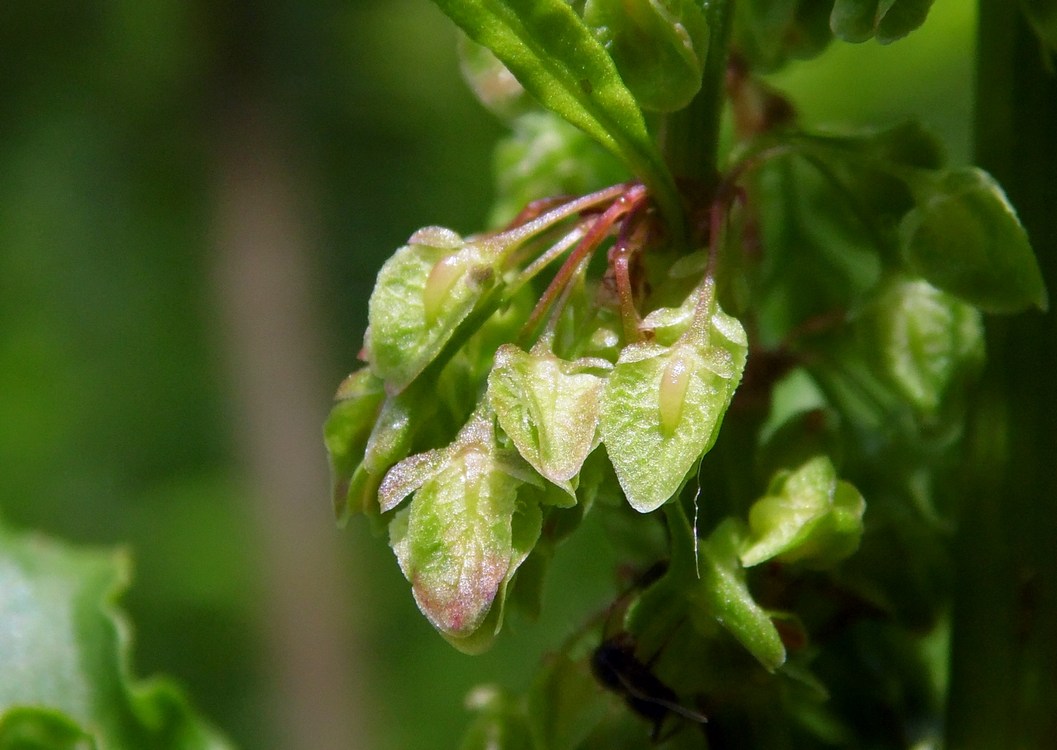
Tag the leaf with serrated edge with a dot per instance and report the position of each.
(554, 55)
(548, 407)
(663, 406)
(64, 655)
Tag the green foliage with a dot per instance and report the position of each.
(770, 33)
(965, 238)
(821, 296)
(725, 596)
(807, 515)
(346, 433)
(464, 534)
(66, 682)
(926, 341)
(888, 20)
(659, 47)
(857, 266)
(557, 59)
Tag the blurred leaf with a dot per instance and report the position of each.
(925, 340)
(558, 60)
(807, 515)
(41, 729)
(500, 723)
(818, 256)
(495, 86)
(908, 143)
(801, 424)
(65, 662)
(659, 47)
(856, 20)
(903, 17)
(888, 20)
(866, 172)
(771, 32)
(965, 238)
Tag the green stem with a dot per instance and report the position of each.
(690, 137)
(1003, 679)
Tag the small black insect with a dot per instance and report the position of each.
(615, 666)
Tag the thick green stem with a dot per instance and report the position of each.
(690, 137)
(1004, 640)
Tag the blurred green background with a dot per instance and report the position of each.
(194, 199)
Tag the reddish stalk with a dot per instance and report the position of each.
(625, 203)
(505, 242)
(623, 251)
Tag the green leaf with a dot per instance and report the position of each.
(807, 515)
(40, 729)
(771, 32)
(558, 60)
(965, 238)
(903, 17)
(666, 325)
(526, 527)
(725, 596)
(458, 543)
(663, 406)
(64, 657)
(856, 20)
(548, 407)
(659, 47)
(888, 20)
(818, 256)
(925, 340)
(346, 432)
(907, 143)
(424, 291)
